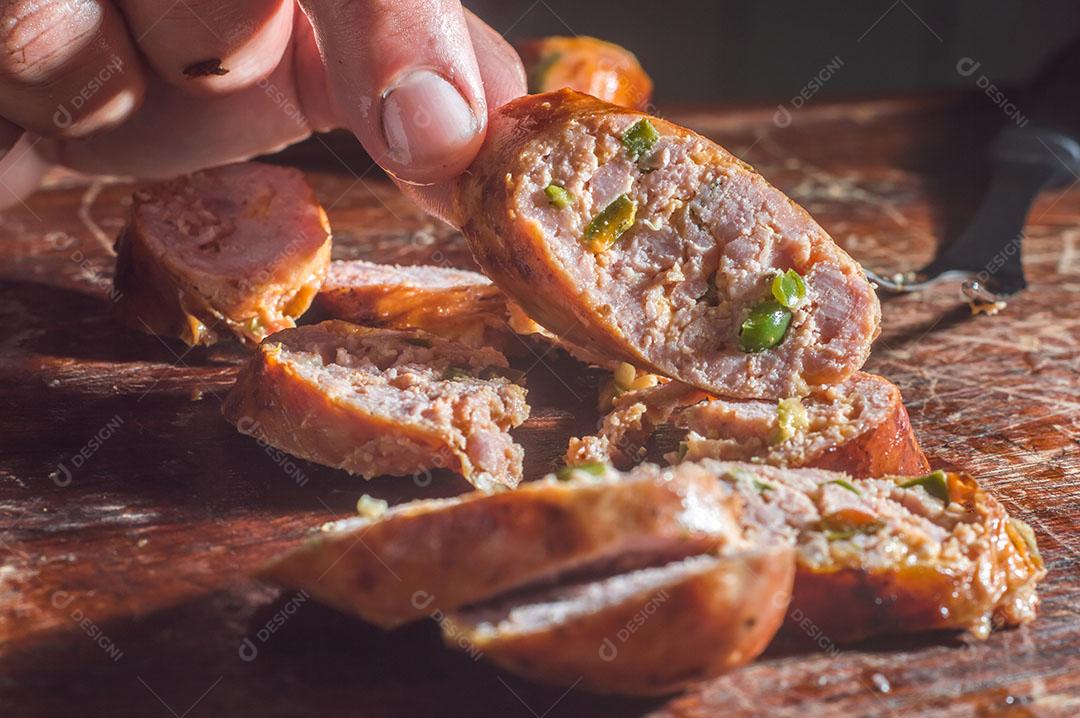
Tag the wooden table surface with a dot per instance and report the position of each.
(131, 512)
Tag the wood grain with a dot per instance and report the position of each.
(131, 513)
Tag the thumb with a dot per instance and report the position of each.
(404, 78)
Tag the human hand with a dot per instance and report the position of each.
(154, 88)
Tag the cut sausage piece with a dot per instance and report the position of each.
(240, 249)
(633, 419)
(380, 401)
(602, 69)
(876, 557)
(646, 632)
(860, 427)
(444, 554)
(647, 243)
(531, 577)
(452, 303)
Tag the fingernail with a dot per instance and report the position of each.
(426, 121)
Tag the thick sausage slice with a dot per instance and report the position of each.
(860, 427)
(441, 555)
(452, 303)
(645, 242)
(380, 401)
(602, 69)
(646, 632)
(872, 556)
(877, 557)
(240, 249)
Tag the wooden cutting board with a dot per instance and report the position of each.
(131, 513)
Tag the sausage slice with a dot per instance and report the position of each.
(444, 554)
(240, 249)
(876, 556)
(452, 303)
(646, 632)
(380, 401)
(536, 579)
(860, 427)
(640, 240)
(602, 69)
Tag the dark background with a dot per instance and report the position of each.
(717, 51)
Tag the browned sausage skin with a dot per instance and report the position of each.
(445, 554)
(380, 401)
(646, 632)
(241, 249)
(671, 293)
(452, 303)
(602, 69)
(536, 578)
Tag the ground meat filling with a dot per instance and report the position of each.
(752, 430)
(707, 239)
(880, 527)
(461, 394)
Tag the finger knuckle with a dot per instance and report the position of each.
(40, 39)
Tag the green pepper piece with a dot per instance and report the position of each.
(936, 483)
(845, 484)
(610, 224)
(764, 327)
(1022, 532)
(761, 486)
(735, 476)
(788, 288)
(512, 375)
(791, 420)
(418, 342)
(596, 468)
(684, 449)
(254, 326)
(558, 196)
(639, 139)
